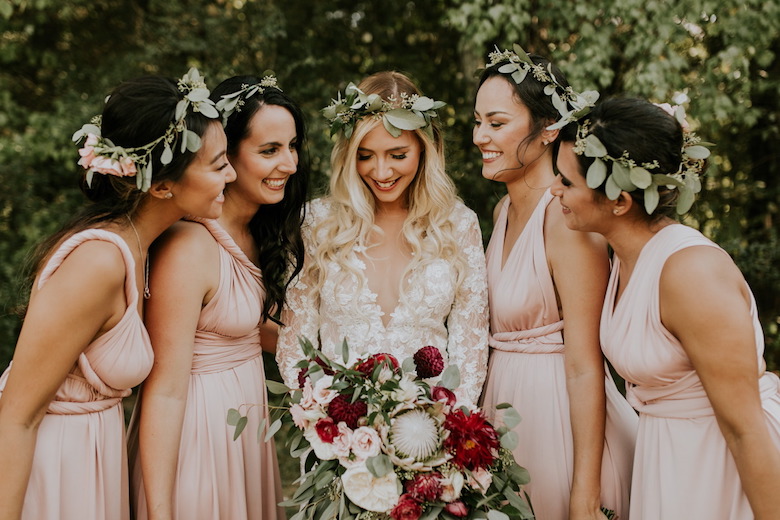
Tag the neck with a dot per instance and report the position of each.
(530, 187)
(237, 212)
(153, 217)
(628, 238)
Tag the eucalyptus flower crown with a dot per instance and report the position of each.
(409, 113)
(234, 101)
(100, 155)
(571, 105)
(628, 175)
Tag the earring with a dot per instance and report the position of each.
(615, 211)
(545, 142)
(169, 195)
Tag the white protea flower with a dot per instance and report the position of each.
(415, 434)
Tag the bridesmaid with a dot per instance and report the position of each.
(220, 284)
(83, 345)
(541, 274)
(679, 322)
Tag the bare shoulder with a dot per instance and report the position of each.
(95, 260)
(186, 241)
(497, 208)
(560, 241)
(694, 269)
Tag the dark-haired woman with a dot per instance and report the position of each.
(540, 276)
(679, 322)
(220, 284)
(83, 345)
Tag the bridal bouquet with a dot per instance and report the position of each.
(383, 440)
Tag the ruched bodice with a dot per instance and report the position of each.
(527, 370)
(80, 465)
(679, 439)
(218, 477)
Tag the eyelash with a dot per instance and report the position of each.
(565, 181)
(398, 157)
(492, 125)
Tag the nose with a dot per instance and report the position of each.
(557, 187)
(289, 163)
(230, 173)
(479, 135)
(383, 170)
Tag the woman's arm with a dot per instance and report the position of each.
(467, 323)
(705, 303)
(82, 299)
(180, 287)
(579, 264)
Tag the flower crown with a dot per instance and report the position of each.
(409, 113)
(234, 101)
(627, 175)
(101, 155)
(518, 65)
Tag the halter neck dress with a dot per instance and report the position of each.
(682, 467)
(79, 469)
(216, 476)
(526, 369)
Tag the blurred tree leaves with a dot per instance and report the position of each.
(59, 58)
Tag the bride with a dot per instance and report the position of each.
(394, 260)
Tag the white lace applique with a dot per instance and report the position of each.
(431, 312)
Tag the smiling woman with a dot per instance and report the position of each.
(221, 284)
(394, 259)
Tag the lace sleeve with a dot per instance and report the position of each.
(300, 316)
(467, 324)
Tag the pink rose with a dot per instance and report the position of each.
(307, 399)
(106, 166)
(128, 166)
(457, 509)
(366, 443)
(342, 443)
(672, 111)
(88, 152)
(480, 479)
(299, 416)
(407, 509)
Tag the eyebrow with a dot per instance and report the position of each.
(490, 114)
(217, 157)
(396, 149)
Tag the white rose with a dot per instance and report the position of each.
(451, 486)
(342, 443)
(322, 393)
(480, 479)
(307, 399)
(373, 494)
(366, 443)
(323, 450)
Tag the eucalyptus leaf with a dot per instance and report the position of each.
(594, 147)
(685, 202)
(193, 141)
(438, 104)
(495, 514)
(450, 378)
(276, 387)
(511, 418)
(345, 351)
(233, 416)
(422, 104)
(198, 94)
(392, 130)
(509, 440)
(380, 465)
(88, 177)
(697, 152)
(503, 406)
(208, 110)
(408, 365)
(522, 54)
(260, 429)
(275, 426)
(519, 75)
(181, 109)
(651, 199)
(640, 177)
(611, 188)
(620, 174)
(404, 119)
(240, 425)
(597, 172)
(167, 155)
(432, 513)
(666, 180)
(508, 68)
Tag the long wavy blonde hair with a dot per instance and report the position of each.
(432, 197)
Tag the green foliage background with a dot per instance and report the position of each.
(59, 58)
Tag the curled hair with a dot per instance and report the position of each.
(530, 93)
(275, 228)
(646, 133)
(137, 112)
(431, 195)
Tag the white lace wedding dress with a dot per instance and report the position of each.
(431, 311)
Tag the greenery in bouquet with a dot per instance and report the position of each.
(382, 440)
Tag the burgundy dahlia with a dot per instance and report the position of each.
(407, 509)
(426, 487)
(429, 362)
(367, 367)
(341, 409)
(472, 440)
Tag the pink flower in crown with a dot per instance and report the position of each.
(87, 153)
(128, 166)
(672, 110)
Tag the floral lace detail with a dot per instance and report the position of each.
(431, 312)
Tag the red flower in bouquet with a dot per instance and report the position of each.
(327, 430)
(407, 509)
(439, 393)
(429, 362)
(367, 367)
(426, 487)
(472, 441)
(457, 509)
(341, 409)
(302, 373)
